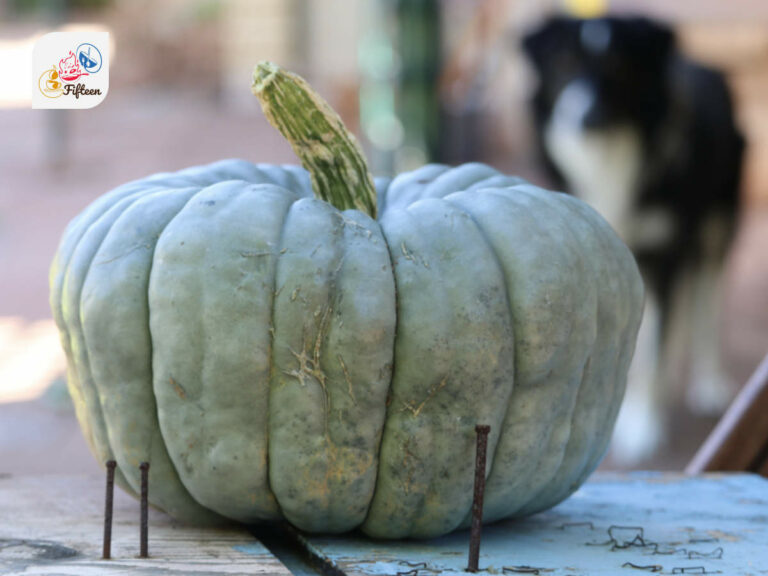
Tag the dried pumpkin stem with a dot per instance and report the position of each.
(329, 152)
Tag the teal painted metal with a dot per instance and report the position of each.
(615, 524)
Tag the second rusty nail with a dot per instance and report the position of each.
(144, 533)
(106, 553)
(482, 431)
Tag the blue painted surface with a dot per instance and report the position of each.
(680, 525)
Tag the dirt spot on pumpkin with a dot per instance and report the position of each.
(412, 256)
(124, 254)
(410, 462)
(178, 388)
(416, 410)
(347, 378)
(309, 367)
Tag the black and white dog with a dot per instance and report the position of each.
(648, 139)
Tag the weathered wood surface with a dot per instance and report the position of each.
(53, 525)
(614, 525)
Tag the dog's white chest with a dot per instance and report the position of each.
(601, 166)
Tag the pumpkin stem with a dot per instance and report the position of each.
(329, 152)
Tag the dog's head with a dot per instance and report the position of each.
(600, 72)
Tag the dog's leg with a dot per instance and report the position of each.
(708, 391)
(640, 427)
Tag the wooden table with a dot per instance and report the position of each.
(54, 525)
(615, 524)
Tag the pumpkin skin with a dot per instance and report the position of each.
(274, 357)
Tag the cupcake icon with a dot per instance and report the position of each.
(50, 83)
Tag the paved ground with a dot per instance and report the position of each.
(131, 137)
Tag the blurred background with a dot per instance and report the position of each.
(418, 81)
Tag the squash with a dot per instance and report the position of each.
(278, 350)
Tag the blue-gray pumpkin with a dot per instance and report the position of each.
(283, 343)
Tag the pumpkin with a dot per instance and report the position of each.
(299, 344)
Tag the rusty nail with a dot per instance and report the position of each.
(107, 548)
(477, 502)
(144, 535)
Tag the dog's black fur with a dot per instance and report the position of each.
(692, 150)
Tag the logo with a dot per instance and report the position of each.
(72, 70)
